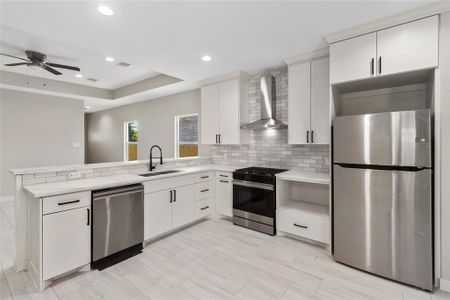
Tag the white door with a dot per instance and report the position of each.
(183, 206)
(353, 59)
(209, 118)
(66, 243)
(320, 101)
(408, 47)
(229, 112)
(224, 197)
(157, 213)
(299, 94)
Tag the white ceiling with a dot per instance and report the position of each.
(170, 37)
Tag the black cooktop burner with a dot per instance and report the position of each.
(257, 174)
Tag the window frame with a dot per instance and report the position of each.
(125, 139)
(177, 136)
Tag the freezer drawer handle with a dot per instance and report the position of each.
(203, 208)
(68, 202)
(301, 226)
(205, 190)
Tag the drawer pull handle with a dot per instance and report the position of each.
(204, 177)
(205, 190)
(224, 181)
(301, 226)
(68, 202)
(226, 176)
(203, 208)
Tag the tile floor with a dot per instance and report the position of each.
(210, 260)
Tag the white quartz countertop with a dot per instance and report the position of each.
(88, 184)
(302, 176)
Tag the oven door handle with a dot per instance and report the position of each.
(250, 184)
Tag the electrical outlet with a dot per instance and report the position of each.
(74, 175)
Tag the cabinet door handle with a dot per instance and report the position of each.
(226, 176)
(301, 226)
(379, 65)
(204, 177)
(224, 181)
(307, 137)
(171, 197)
(88, 217)
(174, 195)
(205, 190)
(220, 142)
(203, 208)
(68, 202)
(372, 66)
(312, 136)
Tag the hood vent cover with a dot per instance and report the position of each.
(268, 107)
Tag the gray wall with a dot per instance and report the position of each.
(38, 130)
(270, 148)
(156, 121)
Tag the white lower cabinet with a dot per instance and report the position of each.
(66, 241)
(224, 194)
(158, 213)
(174, 202)
(183, 206)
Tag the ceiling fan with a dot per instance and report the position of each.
(39, 59)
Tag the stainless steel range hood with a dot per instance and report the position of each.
(268, 106)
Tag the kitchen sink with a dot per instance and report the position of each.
(159, 173)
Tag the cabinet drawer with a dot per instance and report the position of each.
(224, 175)
(65, 202)
(167, 183)
(304, 225)
(203, 177)
(203, 208)
(203, 190)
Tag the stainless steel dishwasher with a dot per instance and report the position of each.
(117, 224)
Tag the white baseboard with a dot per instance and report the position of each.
(444, 285)
(7, 198)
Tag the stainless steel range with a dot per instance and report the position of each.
(254, 198)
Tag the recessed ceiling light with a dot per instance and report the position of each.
(87, 107)
(79, 75)
(109, 58)
(206, 58)
(105, 10)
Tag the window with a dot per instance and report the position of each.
(131, 139)
(186, 135)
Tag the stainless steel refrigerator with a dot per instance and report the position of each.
(383, 195)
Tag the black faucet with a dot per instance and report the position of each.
(151, 166)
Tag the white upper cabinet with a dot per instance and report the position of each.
(299, 106)
(320, 101)
(309, 102)
(407, 47)
(353, 59)
(229, 112)
(224, 108)
(209, 114)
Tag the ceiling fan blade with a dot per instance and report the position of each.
(63, 66)
(16, 64)
(4, 54)
(51, 70)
